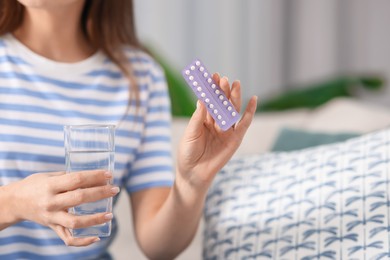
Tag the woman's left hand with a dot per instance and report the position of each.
(205, 148)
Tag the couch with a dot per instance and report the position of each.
(338, 115)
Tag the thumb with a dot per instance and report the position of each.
(197, 120)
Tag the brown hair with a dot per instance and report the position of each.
(108, 25)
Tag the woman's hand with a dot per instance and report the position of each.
(205, 148)
(45, 198)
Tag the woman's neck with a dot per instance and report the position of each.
(55, 34)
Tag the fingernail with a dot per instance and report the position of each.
(227, 79)
(108, 174)
(115, 190)
(197, 104)
(108, 216)
(96, 240)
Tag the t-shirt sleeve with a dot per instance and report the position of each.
(153, 163)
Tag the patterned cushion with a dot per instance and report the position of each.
(328, 202)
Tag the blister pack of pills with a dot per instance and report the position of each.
(207, 91)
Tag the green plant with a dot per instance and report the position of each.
(316, 94)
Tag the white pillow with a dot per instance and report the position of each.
(328, 202)
(348, 115)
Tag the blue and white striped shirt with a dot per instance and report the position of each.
(38, 96)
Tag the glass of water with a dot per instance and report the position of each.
(90, 147)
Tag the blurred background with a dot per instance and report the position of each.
(319, 67)
(272, 46)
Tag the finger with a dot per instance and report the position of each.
(76, 197)
(82, 179)
(235, 95)
(71, 221)
(224, 84)
(197, 121)
(243, 125)
(210, 121)
(69, 240)
(216, 78)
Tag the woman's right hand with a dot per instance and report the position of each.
(45, 198)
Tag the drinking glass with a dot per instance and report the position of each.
(90, 147)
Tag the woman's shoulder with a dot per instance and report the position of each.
(141, 58)
(146, 68)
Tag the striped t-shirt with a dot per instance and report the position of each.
(39, 96)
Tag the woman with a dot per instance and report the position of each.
(79, 62)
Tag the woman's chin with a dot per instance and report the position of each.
(48, 4)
